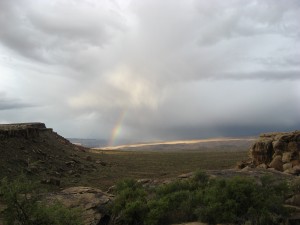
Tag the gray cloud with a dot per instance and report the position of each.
(265, 75)
(232, 19)
(173, 69)
(11, 104)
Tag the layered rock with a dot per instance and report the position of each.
(279, 151)
(26, 130)
(19, 126)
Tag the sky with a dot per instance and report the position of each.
(145, 70)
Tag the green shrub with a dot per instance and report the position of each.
(200, 177)
(295, 186)
(56, 214)
(174, 207)
(235, 200)
(156, 214)
(166, 204)
(130, 205)
(175, 186)
(25, 207)
(238, 200)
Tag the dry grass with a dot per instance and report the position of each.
(135, 164)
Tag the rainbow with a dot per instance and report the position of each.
(117, 128)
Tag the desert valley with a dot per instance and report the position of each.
(88, 179)
(149, 112)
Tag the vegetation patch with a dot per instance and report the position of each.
(236, 200)
(24, 206)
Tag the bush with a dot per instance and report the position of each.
(166, 204)
(238, 200)
(235, 200)
(24, 206)
(174, 207)
(130, 204)
(201, 178)
(295, 186)
(175, 186)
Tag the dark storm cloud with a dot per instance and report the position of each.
(52, 31)
(172, 69)
(232, 130)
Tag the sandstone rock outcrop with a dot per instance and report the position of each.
(280, 151)
(92, 201)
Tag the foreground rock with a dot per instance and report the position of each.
(279, 151)
(294, 203)
(92, 201)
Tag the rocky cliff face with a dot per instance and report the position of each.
(19, 126)
(36, 150)
(280, 151)
(26, 130)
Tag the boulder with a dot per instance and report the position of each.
(293, 146)
(246, 169)
(290, 171)
(295, 162)
(286, 157)
(279, 145)
(262, 151)
(241, 165)
(262, 166)
(92, 201)
(295, 155)
(297, 169)
(275, 150)
(287, 166)
(294, 200)
(276, 163)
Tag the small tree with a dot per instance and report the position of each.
(25, 207)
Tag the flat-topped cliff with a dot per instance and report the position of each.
(22, 126)
(36, 150)
(26, 130)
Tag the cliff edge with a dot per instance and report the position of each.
(38, 151)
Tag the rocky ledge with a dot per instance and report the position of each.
(26, 130)
(92, 201)
(279, 151)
